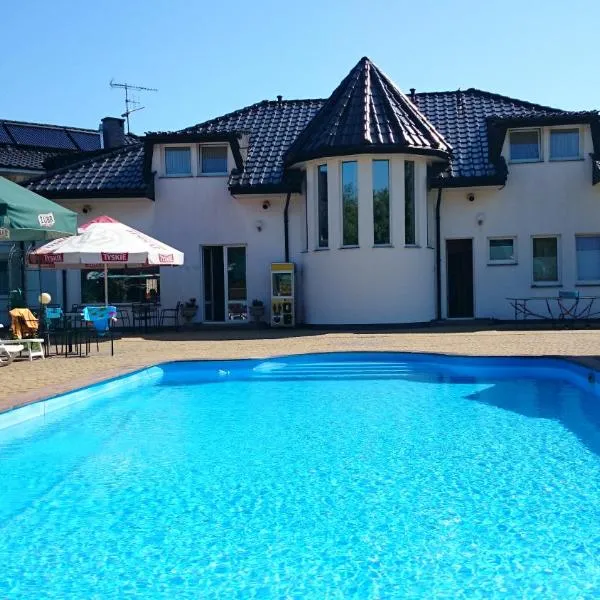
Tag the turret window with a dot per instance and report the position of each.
(410, 218)
(381, 202)
(350, 203)
(323, 207)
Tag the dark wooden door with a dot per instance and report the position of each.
(459, 261)
(214, 283)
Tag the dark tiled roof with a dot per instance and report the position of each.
(271, 126)
(367, 113)
(462, 118)
(467, 122)
(115, 173)
(15, 157)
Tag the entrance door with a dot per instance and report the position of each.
(225, 296)
(459, 261)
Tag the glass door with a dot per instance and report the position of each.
(235, 279)
(214, 287)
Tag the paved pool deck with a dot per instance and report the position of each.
(23, 382)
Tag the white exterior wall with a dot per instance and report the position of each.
(196, 211)
(368, 284)
(542, 198)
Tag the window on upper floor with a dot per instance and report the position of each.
(350, 203)
(525, 145)
(588, 257)
(545, 260)
(322, 207)
(213, 160)
(564, 144)
(178, 162)
(502, 251)
(381, 202)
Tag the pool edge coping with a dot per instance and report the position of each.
(45, 395)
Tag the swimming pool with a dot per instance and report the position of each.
(341, 475)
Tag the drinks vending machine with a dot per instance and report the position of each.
(282, 295)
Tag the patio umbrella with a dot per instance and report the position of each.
(106, 243)
(28, 217)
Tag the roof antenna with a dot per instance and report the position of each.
(131, 104)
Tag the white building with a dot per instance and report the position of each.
(394, 208)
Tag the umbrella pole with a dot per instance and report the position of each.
(105, 284)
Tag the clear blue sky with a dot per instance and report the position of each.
(208, 58)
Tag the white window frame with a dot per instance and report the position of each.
(173, 147)
(558, 281)
(583, 282)
(224, 173)
(540, 145)
(580, 150)
(510, 261)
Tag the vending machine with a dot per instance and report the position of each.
(282, 295)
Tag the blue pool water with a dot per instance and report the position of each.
(340, 476)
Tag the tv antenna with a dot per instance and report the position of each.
(131, 104)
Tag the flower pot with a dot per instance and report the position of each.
(188, 313)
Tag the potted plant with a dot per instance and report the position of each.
(189, 310)
(257, 310)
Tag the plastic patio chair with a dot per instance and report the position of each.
(172, 314)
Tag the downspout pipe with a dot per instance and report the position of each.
(286, 227)
(438, 256)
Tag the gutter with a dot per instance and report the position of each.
(438, 256)
(286, 227)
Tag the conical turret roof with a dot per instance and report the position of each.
(367, 113)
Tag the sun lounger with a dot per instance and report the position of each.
(14, 347)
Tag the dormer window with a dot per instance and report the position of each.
(178, 162)
(213, 160)
(525, 145)
(564, 144)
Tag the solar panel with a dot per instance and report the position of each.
(86, 141)
(4, 139)
(41, 136)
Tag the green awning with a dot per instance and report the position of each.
(28, 217)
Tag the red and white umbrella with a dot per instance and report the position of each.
(108, 243)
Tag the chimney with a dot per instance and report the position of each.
(279, 99)
(413, 94)
(113, 132)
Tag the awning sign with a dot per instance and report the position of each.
(115, 256)
(46, 220)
